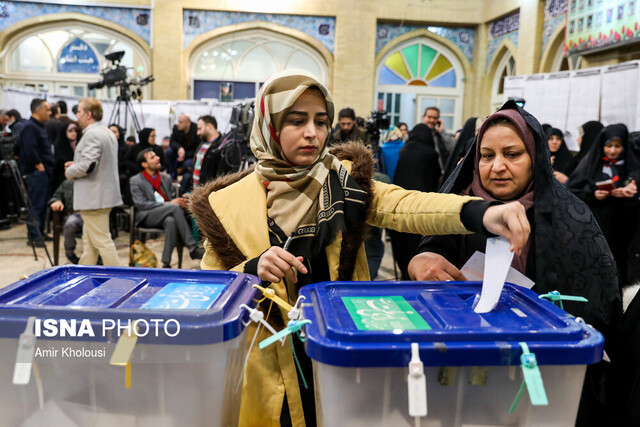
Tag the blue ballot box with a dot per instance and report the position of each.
(408, 353)
(123, 346)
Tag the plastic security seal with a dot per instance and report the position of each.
(292, 327)
(24, 356)
(532, 380)
(417, 384)
(258, 316)
(295, 313)
(271, 294)
(121, 355)
(557, 297)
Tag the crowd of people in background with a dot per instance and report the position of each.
(49, 145)
(604, 173)
(582, 207)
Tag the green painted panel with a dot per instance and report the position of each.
(411, 55)
(396, 63)
(441, 65)
(384, 314)
(426, 59)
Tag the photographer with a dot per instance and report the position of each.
(348, 129)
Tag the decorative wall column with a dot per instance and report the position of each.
(168, 69)
(530, 34)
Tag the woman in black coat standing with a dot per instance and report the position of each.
(566, 250)
(560, 155)
(615, 205)
(589, 131)
(417, 169)
(463, 143)
(64, 147)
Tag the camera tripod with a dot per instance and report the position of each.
(124, 98)
(23, 199)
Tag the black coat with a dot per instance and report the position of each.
(562, 157)
(62, 153)
(417, 169)
(627, 370)
(464, 142)
(568, 253)
(617, 217)
(590, 130)
(221, 158)
(34, 147)
(189, 141)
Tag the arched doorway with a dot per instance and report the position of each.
(233, 66)
(63, 57)
(506, 67)
(417, 74)
(554, 58)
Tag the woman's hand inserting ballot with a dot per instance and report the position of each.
(509, 221)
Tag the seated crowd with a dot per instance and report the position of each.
(49, 144)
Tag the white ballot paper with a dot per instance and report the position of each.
(496, 266)
(473, 270)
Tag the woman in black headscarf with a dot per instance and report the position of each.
(589, 131)
(566, 251)
(615, 205)
(147, 139)
(64, 147)
(417, 169)
(463, 143)
(119, 134)
(560, 155)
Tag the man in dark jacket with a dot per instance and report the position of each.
(348, 129)
(214, 156)
(53, 125)
(36, 166)
(183, 144)
(444, 142)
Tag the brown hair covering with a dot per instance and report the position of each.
(523, 131)
(526, 199)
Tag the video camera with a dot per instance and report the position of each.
(241, 120)
(116, 75)
(379, 120)
(6, 146)
(240, 124)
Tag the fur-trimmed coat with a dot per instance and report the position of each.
(232, 215)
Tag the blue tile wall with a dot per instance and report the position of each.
(555, 14)
(197, 22)
(504, 28)
(461, 37)
(137, 20)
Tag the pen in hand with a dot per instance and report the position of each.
(286, 247)
(288, 242)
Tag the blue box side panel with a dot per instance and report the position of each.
(185, 296)
(109, 294)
